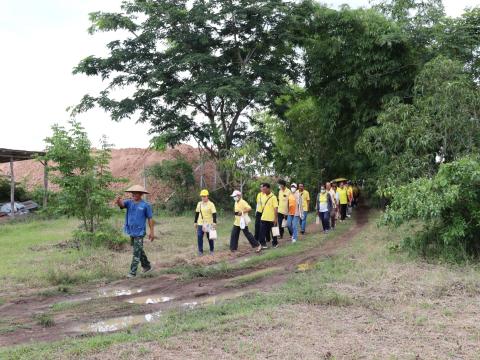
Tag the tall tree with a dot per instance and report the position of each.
(443, 119)
(199, 68)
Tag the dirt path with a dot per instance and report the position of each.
(157, 294)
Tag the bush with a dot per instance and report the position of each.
(20, 193)
(178, 175)
(106, 235)
(448, 205)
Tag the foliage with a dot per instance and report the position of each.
(199, 68)
(354, 60)
(20, 192)
(443, 117)
(448, 204)
(105, 235)
(244, 163)
(178, 175)
(82, 175)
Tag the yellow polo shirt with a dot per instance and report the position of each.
(206, 211)
(343, 197)
(269, 205)
(260, 196)
(240, 206)
(305, 199)
(283, 201)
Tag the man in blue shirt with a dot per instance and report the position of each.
(138, 212)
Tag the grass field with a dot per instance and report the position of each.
(364, 302)
(32, 255)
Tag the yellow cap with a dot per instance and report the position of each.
(204, 192)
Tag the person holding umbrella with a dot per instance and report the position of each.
(138, 213)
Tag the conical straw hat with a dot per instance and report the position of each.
(137, 188)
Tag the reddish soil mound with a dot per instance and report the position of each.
(125, 163)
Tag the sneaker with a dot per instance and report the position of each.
(303, 232)
(275, 246)
(200, 253)
(147, 270)
(130, 276)
(264, 247)
(258, 249)
(212, 253)
(294, 241)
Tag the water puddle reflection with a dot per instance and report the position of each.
(120, 323)
(149, 299)
(118, 292)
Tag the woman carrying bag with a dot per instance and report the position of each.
(241, 223)
(205, 222)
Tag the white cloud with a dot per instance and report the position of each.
(41, 43)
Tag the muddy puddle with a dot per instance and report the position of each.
(119, 323)
(103, 293)
(149, 299)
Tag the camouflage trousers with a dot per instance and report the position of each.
(139, 256)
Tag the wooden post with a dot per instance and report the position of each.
(45, 184)
(12, 188)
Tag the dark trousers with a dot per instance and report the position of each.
(266, 233)
(200, 233)
(258, 220)
(236, 234)
(333, 218)
(281, 228)
(343, 211)
(325, 217)
(139, 256)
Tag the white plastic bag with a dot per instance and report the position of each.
(275, 231)
(247, 219)
(284, 223)
(243, 223)
(212, 235)
(317, 220)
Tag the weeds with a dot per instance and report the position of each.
(45, 320)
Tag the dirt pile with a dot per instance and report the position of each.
(128, 164)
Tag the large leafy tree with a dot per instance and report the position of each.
(442, 120)
(198, 68)
(355, 60)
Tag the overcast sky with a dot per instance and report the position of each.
(41, 42)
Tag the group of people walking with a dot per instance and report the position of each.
(274, 215)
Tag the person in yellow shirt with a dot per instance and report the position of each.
(241, 209)
(283, 194)
(269, 217)
(258, 212)
(350, 198)
(205, 220)
(343, 200)
(306, 205)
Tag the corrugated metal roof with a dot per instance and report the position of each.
(18, 155)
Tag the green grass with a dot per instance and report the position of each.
(32, 259)
(304, 288)
(45, 320)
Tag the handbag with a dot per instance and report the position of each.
(317, 220)
(284, 223)
(275, 231)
